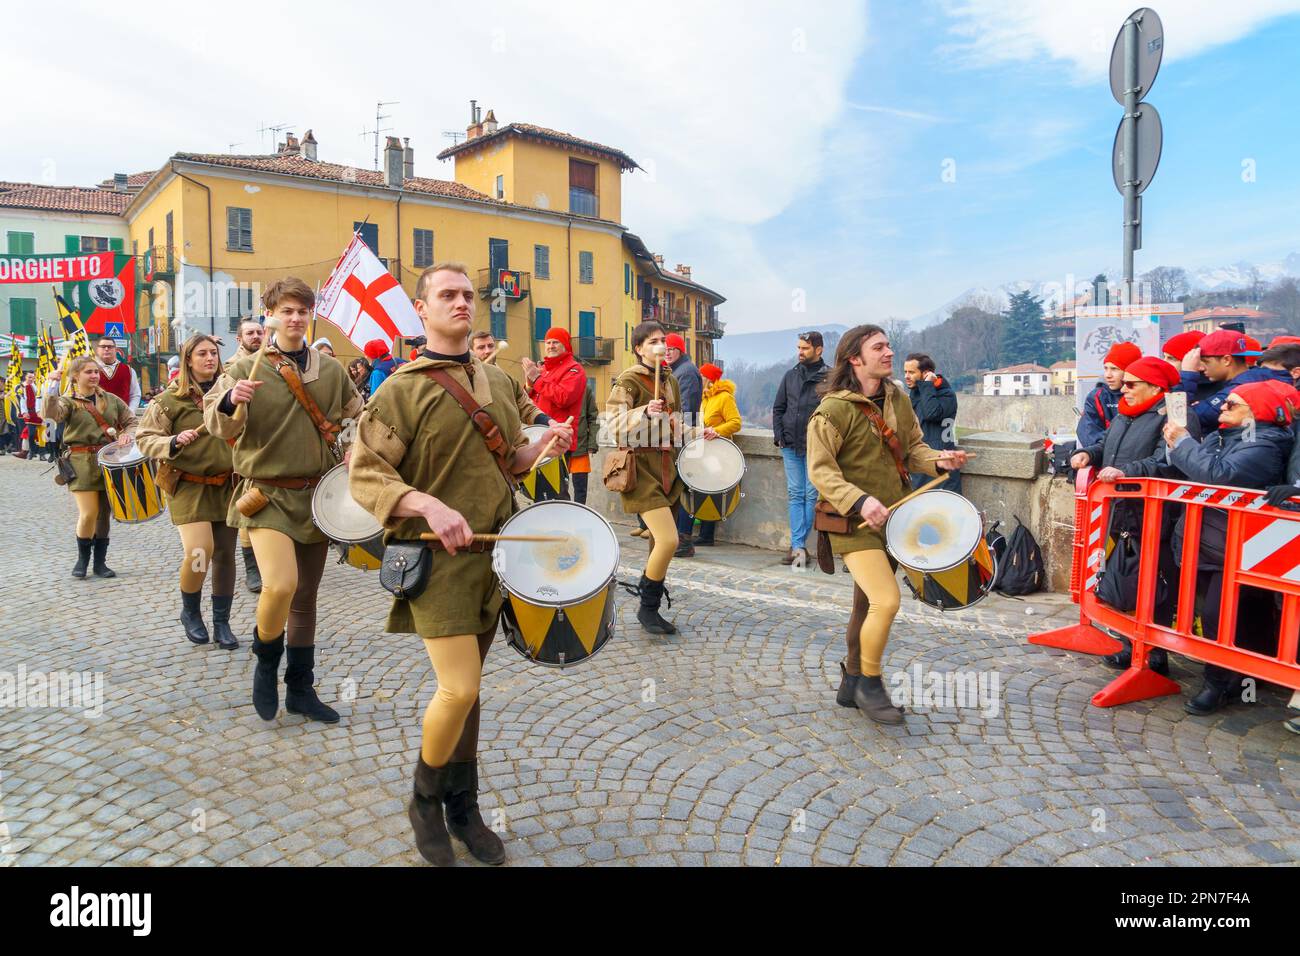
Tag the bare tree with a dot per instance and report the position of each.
(1166, 283)
(1284, 299)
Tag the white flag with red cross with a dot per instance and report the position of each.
(363, 299)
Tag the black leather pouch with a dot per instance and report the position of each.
(404, 572)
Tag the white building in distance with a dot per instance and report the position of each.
(1024, 379)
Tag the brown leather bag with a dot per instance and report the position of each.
(619, 472)
(826, 518)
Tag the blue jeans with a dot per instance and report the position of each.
(801, 494)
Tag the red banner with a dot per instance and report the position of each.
(107, 303)
(65, 268)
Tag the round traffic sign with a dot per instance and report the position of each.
(1150, 140)
(1151, 48)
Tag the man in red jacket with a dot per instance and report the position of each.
(558, 384)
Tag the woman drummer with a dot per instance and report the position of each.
(172, 430)
(649, 429)
(92, 420)
(863, 441)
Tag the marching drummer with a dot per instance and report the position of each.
(250, 337)
(863, 441)
(172, 431)
(92, 420)
(644, 417)
(285, 420)
(420, 464)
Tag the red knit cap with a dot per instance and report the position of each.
(1154, 371)
(561, 335)
(1285, 340)
(710, 371)
(376, 349)
(1272, 401)
(1122, 354)
(1227, 342)
(675, 341)
(1179, 345)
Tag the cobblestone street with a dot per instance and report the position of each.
(720, 746)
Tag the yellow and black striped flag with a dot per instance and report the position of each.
(14, 382)
(73, 330)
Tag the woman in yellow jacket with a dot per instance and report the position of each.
(720, 413)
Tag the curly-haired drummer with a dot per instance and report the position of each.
(420, 464)
(92, 419)
(172, 431)
(863, 441)
(648, 427)
(285, 417)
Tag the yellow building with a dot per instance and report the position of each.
(1064, 376)
(214, 229)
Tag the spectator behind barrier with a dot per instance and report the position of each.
(1250, 449)
(1226, 356)
(1102, 403)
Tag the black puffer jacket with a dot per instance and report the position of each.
(1135, 444)
(796, 400)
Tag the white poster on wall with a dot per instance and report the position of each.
(1098, 327)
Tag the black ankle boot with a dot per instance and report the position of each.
(1212, 696)
(221, 631)
(652, 593)
(196, 632)
(872, 700)
(266, 686)
(102, 570)
(83, 557)
(425, 812)
(299, 696)
(252, 576)
(848, 684)
(463, 817)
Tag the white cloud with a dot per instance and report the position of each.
(990, 32)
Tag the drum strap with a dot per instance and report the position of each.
(889, 437)
(289, 372)
(85, 449)
(100, 420)
(492, 437)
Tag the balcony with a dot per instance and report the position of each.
(158, 262)
(710, 327)
(593, 349)
(488, 284)
(669, 318)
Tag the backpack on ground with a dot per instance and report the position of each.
(997, 542)
(1022, 570)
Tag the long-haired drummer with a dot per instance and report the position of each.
(172, 432)
(863, 441)
(92, 419)
(286, 421)
(420, 464)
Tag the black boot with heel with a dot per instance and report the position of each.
(463, 817)
(300, 696)
(102, 570)
(196, 632)
(652, 595)
(426, 814)
(83, 557)
(873, 700)
(221, 632)
(266, 685)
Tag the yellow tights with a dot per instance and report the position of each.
(92, 514)
(873, 574)
(458, 664)
(663, 532)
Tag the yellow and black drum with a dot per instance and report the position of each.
(352, 528)
(711, 470)
(133, 494)
(938, 538)
(559, 607)
(549, 480)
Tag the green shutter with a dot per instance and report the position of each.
(22, 243)
(22, 316)
(72, 244)
(542, 321)
(117, 245)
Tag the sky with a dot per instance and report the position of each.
(814, 162)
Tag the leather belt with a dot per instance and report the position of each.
(205, 479)
(667, 466)
(85, 449)
(293, 484)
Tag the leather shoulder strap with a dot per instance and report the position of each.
(100, 420)
(289, 372)
(888, 436)
(487, 428)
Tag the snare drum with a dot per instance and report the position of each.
(938, 538)
(549, 480)
(711, 470)
(133, 494)
(559, 606)
(355, 530)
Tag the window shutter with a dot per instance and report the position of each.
(72, 244)
(542, 261)
(586, 267)
(232, 227)
(582, 175)
(116, 245)
(542, 323)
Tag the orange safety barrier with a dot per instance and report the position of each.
(1262, 550)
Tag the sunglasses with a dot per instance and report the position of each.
(1127, 383)
(1234, 404)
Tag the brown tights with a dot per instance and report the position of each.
(208, 543)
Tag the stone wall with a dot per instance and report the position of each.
(1029, 414)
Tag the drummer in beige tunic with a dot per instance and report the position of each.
(852, 466)
(85, 433)
(172, 432)
(649, 431)
(419, 465)
(280, 454)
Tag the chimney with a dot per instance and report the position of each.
(408, 159)
(119, 182)
(393, 162)
(290, 145)
(659, 261)
(490, 124)
(475, 127)
(683, 271)
(309, 147)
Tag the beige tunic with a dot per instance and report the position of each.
(82, 429)
(847, 459)
(414, 436)
(168, 415)
(632, 427)
(278, 439)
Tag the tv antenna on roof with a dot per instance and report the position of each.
(380, 116)
(275, 131)
(454, 135)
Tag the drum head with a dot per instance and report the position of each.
(710, 466)
(557, 573)
(119, 456)
(934, 531)
(337, 513)
(536, 433)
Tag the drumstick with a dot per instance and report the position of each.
(547, 450)
(270, 324)
(658, 352)
(924, 488)
(430, 536)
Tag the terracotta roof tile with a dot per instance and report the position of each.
(1019, 369)
(542, 133)
(64, 199)
(1228, 312)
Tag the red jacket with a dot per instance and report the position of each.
(558, 391)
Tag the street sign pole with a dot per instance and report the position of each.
(1131, 220)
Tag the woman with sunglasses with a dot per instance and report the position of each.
(1250, 450)
(1133, 447)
